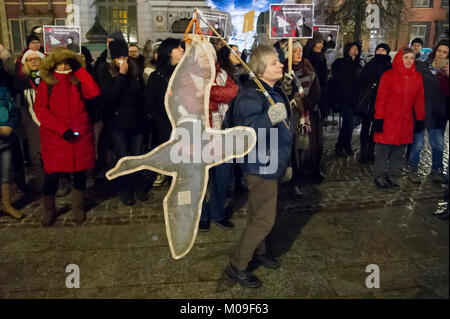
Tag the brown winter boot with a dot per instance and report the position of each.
(49, 216)
(6, 202)
(79, 214)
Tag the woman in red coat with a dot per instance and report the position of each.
(399, 94)
(67, 139)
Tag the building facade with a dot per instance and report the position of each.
(428, 20)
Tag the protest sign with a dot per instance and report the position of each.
(62, 36)
(291, 21)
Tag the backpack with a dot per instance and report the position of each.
(6, 105)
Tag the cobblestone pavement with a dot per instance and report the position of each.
(324, 241)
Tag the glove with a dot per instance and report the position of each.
(69, 135)
(74, 64)
(286, 82)
(418, 126)
(287, 175)
(299, 101)
(277, 113)
(289, 76)
(378, 125)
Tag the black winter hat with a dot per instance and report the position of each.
(417, 40)
(32, 37)
(384, 46)
(118, 48)
(116, 35)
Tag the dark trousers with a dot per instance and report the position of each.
(388, 159)
(219, 180)
(306, 164)
(128, 143)
(366, 138)
(18, 163)
(316, 143)
(345, 134)
(51, 182)
(262, 209)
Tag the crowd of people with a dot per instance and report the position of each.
(61, 112)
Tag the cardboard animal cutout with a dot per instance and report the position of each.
(193, 148)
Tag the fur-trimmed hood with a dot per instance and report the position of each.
(48, 64)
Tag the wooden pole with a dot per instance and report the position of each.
(245, 42)
(290, 44)
(252, 75)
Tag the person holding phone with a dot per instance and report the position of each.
(436, 114)
(66, 132)
(122, 88)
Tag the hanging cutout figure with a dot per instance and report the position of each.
(193, 148)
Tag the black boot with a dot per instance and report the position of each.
(244, 277)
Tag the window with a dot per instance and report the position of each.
(16, 35)
(119, 15)
(420, 30)
(444, 4)
(60, 21)
(422, 3)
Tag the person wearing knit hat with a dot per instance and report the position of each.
(383, 46)
(33, 42)
(417, 45)
(370, 79)
(116, 35)
(31, 52)
(118, 48)
(124, 118)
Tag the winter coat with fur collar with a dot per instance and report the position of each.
(64, 109)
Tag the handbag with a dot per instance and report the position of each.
(303, 132)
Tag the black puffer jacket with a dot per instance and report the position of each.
(372, 72)
(345, 76)
(319, 63)
(154, 94)
(436, 107)
(123, 98)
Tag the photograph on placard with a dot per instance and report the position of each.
(216, 20)
(62, 36)
(291, 20)
(330, 33)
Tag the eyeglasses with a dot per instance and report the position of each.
(33, 59)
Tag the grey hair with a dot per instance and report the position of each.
(256, 62)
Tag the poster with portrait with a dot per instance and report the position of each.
(62, 36)
(329, 33)
(217, 20)
(291, 21)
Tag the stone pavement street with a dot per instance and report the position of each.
(324, 241)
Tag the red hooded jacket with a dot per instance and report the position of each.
(400, 91)
(221, 94)
(64, 110)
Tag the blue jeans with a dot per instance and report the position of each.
(345, 134)
(219, 180)
(436, 139)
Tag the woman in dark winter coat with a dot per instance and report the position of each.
(67, 138)
(9, 120)
(169, 54)
(400, 93)
(370, 79)
(436, 114)
(269, 164)
(124, 115)
(344, 90)
(315, 53)
(305, 90)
